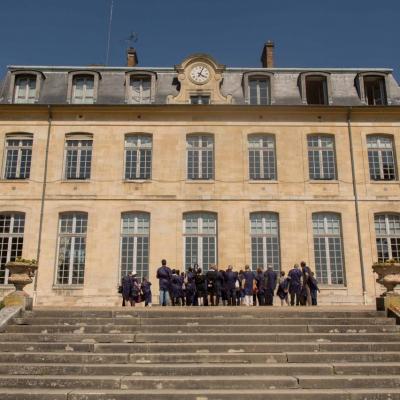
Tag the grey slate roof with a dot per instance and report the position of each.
(285, 84)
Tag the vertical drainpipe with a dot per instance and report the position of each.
(353, 174)
(49, 120)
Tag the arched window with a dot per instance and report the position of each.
(265, 249)
(135, 239)
(315, 88)
(12, 225)
(83, 87)
(372, 88)
(387, 231)
(258, 88)
(262, 159)
(138, 152)
(328, 253)
(381, 158)
(321, 157)
(200, 237)
(72, 230)
(200, 156)
(78, 156)
(18, 156)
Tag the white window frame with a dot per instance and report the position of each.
(78, 138)
(73, 236)
(138, 149)
(140, 75)
(387, 235)
(199, 150)
(11, 235)
(379, 150)
(320, 149)
(26, 90)
(200, 235)
(71, 86)
(261, 137)
(20, 147)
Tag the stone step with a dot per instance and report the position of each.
(203, 321)
(200, 357)
(232, 394)
(215, 312)
(208, 347)
(197, 369)
(261, 382)
(49, 329)
(80, 337)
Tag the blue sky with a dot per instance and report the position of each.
(307, 33)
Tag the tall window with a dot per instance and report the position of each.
(381, 158)
(374, 90)
(316, 89)
(387, 230)
(135, 237)
(78, 158)
(200, 236)
(321, 157)
(18, 156)
(328, 248)
(264, 231)
(11, 241)
(138, 150)
(71, 248)
(200, 153)
(259, 91)
(140, 89)
(25, 89)
(83, 89)
(262, 161)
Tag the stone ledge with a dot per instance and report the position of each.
(8, 313)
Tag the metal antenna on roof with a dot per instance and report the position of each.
(109, 32)
(132, 38)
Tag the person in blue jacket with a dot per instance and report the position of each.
(295, 276)
(146, 290)
(271, 278)
(230, 278)
(248, 285)
(164, 278)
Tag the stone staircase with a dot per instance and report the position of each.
(201, 354)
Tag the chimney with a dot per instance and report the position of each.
(131, 57)
(267, 56)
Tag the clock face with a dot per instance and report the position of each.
(200, 73)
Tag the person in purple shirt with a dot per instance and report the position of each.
(164, 278)
(248, 284)
(295, 276)
(271, 278)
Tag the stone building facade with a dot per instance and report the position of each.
(106, 170)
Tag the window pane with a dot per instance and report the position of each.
(387, 231)
(381, 158)
(200, 157)
(78, 159)
(321, 157)
(262, 157)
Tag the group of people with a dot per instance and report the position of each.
(215, 287)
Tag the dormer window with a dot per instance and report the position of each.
(315, 88)
(258, 88)
(374, 90)
(25, 89)
(200, 99)
(140, 87)
(83, 87)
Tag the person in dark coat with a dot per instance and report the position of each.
(306, 281)
(248, 285)
(271, 278)
(201, 287)
(260, 283)
(164, 277)
(183, 286)
(135, 291)
(190, 287)
(283, 289)
(239, 288)
(213, 285)
(295, 277)
(314, 289)
(176, 288)
(126, 284)
(230, 278)
(146, 291)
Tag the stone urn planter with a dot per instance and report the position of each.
(388, 275)
(21, 274)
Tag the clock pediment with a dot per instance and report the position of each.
(200, 75)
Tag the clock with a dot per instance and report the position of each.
(199, 74)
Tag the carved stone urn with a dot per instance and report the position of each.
(21, 274)
(388, 275)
